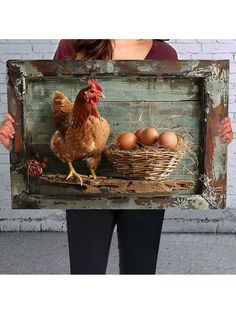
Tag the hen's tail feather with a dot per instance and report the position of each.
(58, 95)
(61, 107)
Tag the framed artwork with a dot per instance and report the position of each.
(74, 150)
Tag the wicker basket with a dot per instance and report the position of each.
(146, 163)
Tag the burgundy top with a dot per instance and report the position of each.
(160, 50)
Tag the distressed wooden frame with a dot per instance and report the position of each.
(215, 80)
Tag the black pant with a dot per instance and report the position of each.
(90, 233)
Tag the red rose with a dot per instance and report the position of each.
(34, 168)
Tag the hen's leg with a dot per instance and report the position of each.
(73, 173)
(93, 163)
(93, 174)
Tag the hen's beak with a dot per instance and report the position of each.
(100, 94)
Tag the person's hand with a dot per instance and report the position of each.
(226, 132)
(6, 130)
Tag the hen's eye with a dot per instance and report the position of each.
(92, 91)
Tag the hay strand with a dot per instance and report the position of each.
(148, 162)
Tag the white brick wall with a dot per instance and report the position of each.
(175, 220)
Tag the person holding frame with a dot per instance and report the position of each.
(90, 231)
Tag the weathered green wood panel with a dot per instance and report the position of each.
(120, 89)
(130, 103)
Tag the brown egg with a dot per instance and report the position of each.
(126, 141)
(168, 139)
(149, 136)
(138, 133)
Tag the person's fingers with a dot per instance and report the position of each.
(226, 132)
(8, 129)
(223, 123)
(5, 141)
(227, 137)
(10, 125)
(230, 138)
(4, 132)
(9, 117)
(225, 129)
(226, 119)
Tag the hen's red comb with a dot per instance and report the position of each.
(94, 83)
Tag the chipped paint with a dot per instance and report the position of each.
(190, 202)
(110, 67)
(217, 87)
(212, 194)
(16, 88)
(219, 165)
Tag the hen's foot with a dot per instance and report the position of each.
(77, 175)
(73, 173)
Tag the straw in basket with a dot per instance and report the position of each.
(146, 163)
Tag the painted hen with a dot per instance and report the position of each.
(81, 131)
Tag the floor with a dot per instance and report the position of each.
(47, 253)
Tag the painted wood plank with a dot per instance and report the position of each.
(118, 89)
(186, 68)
